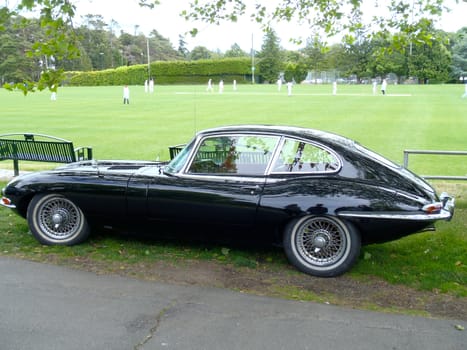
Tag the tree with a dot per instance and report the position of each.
(182, 50)
(96, 42)
(430, 62)
(15, 66)
(459, 55)
(235, 51)
(412, 19)
(315, 53)
(381, 62)
(331, 17)
(161, 49)
(200, 53)
(81, 63)
(270, 57)
(59, 41)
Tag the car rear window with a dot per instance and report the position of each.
(297, 156)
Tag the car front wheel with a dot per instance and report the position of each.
(55, 220)
(323, 246)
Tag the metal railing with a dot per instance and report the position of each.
(438, 177)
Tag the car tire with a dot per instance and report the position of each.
(323, 246)
(55, 220)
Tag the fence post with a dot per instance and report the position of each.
(406, 159)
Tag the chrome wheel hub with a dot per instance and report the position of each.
(59, 218)
(321, 241)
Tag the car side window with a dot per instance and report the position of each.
(299, 156)
(233, 155)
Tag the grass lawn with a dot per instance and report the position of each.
(409, 117)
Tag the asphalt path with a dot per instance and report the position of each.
(51, 307)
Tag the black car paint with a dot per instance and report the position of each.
(137, 201)
(141, 194)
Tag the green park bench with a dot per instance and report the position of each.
(174, 150)
(40, 148)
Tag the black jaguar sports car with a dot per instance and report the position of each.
(317, 194)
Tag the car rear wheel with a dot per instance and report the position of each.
(55, 220)
(322, 246)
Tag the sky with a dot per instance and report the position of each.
(166, 20)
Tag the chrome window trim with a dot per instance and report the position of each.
(260, 179)
(275, 154)
(190, 158)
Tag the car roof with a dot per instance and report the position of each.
(293, 131)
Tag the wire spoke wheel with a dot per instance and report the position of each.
(321, 241)
(59, 218)
(54, 219)
(321, 245)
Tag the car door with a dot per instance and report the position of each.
(301, 181)
(220, 184)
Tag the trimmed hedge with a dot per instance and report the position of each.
(167, 72)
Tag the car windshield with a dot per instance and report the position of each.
(179, 161)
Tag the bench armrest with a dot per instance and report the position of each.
(83, 153)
